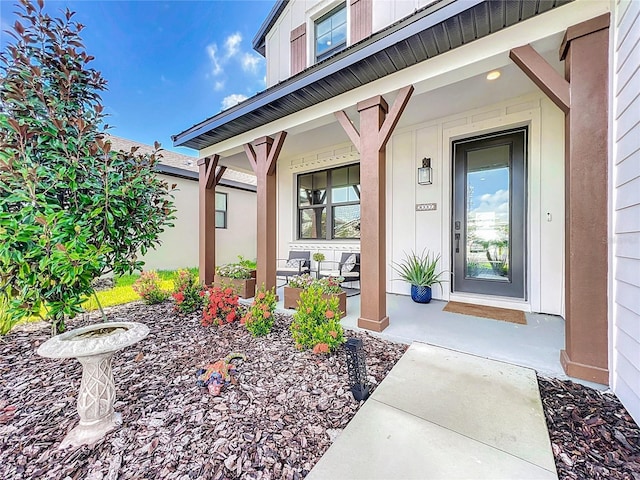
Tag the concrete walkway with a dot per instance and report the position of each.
(442, 414)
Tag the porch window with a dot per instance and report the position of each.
(331, 32)
(329, 204)
(221, 210)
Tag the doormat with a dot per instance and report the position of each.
(494, 313)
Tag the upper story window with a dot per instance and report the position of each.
(331, 32)
(329, 204)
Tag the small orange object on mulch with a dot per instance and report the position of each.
(495, 313)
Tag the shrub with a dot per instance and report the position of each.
(259, 317)
(316, 323)
(148, 287)
(220, 306)
(187, 292)
(71, 209)
(327, 284)
(233, 270)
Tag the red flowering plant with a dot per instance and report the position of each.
(259, 316)
(316, 323)
(220, 306)
(187, 292)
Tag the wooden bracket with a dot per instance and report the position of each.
(349, 128)
(393, 116)
(543, 75)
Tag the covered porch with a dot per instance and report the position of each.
(387, 125)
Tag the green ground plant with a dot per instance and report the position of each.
(71, 209)
(259, 316)
(316, 323)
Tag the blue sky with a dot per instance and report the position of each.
(168, 64)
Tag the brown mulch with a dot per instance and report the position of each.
(592, 435)
(276, 422)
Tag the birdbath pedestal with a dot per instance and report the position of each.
(94, 346)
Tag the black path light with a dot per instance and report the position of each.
(357, 369)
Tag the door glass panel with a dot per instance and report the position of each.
(487, 214)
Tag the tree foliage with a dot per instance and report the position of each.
(70, 208)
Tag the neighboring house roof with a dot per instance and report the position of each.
(184, 166)
(425, 34)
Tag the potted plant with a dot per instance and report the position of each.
(318, 257)
(237, 277)
(420, 272)
(329, 287)
(250, 264)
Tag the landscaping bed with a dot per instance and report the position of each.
(592, 435)
(275, 422)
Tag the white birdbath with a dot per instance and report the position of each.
(94, 347)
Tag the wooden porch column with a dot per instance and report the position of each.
(585, 50)
(376, 127)
(208, 178)
(263, 155)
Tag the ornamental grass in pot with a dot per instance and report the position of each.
(420, 271)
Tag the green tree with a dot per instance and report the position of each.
(70, 208)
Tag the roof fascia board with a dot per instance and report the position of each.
(189, 175)
(368, 48)
(491, 52)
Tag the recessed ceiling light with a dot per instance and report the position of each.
(493, 75)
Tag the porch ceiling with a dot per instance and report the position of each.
(426, 34)
(424, 106)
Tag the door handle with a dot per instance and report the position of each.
(457, 236)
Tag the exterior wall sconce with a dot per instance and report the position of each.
(425, 172)
(357, 369)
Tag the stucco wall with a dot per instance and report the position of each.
(625, 215)
(179, 247)
(408, 229)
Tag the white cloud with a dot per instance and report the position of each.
(212, 52)
(219, 85)
(250, 62)
(494, 202)
(233, 99)
(232, 44)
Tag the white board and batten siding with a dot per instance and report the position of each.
(625, 186)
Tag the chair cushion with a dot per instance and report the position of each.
(348, 275)
(349, 264)
(296, 270)
(330, 273)
(294, 263)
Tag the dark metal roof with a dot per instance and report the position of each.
(427, 33)
(259, 40)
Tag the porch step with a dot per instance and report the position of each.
(442, 414)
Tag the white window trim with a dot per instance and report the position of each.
(313, 14)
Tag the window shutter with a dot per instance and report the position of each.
(361, 19)
(298, 49)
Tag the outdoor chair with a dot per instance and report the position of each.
(348, 267)
(298, 263)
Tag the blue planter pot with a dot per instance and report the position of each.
(420, 294)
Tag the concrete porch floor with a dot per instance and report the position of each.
(536, 345)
